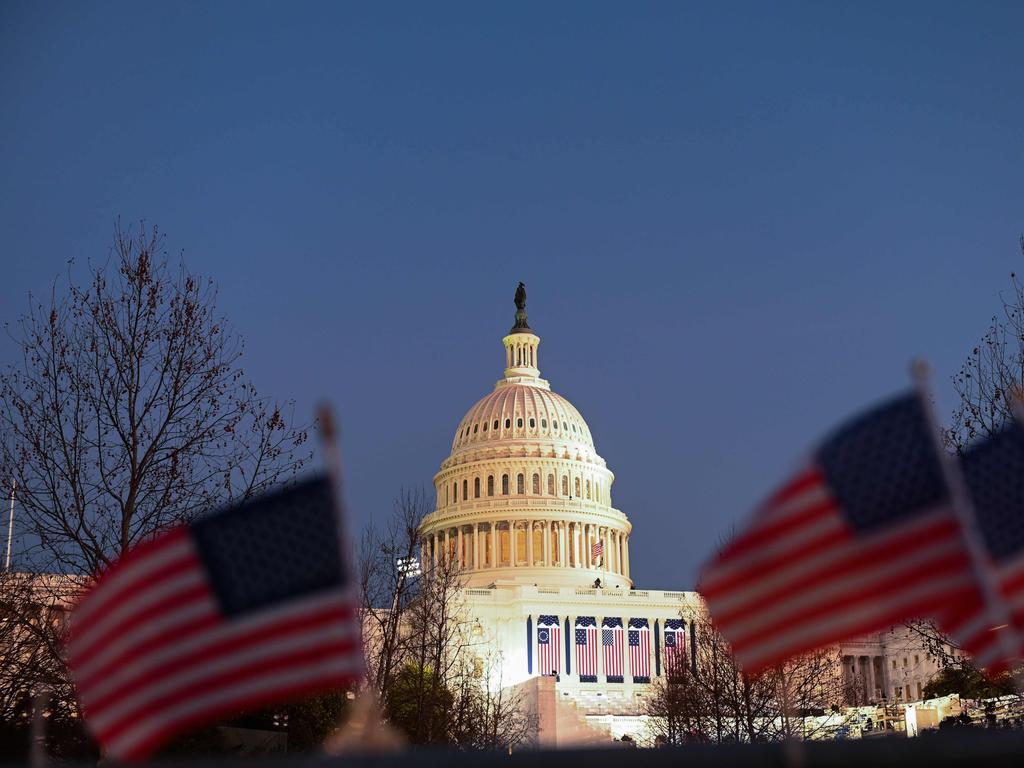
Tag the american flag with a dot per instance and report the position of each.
(994, 474)
(248, 606)
(675, 647)
(860, 538)
(548, 647)
(597, 550)
(611, 644)
(586, 648)
(640, 650)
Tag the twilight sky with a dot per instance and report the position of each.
(737, 223)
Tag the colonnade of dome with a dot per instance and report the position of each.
(524, 496)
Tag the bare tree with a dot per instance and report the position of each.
(993, 372)
(437, 678)
(718, 702)
(127, 412)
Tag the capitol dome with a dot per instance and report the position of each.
(524, 496)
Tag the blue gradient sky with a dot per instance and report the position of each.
(737, 222)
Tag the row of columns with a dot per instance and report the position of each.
(574, 547)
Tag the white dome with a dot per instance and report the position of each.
(524, 497)
(522, 412)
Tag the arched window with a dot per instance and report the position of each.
(555, 425)
(476, 487)
(520, 483)
(465, 489)
(577, 487)
(543, 423)
(551, 485)
(495, 424)
(485, 426)
(504, 485)
(519, 423)
(490, 485)
(565, 426)
(536, 484)
(565, 485)
(533, 422)
(508, 423)
(455, 492)
(446, 493)
(475, 428)
(588, 489)
(573, 427)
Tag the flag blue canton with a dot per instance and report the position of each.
(634, 638)
(670, 640)
(994, 473)
(581, 637)
(273, 548)
(543, 636)
(607, 637)
(884, 465)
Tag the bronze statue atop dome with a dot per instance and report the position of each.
(521, 325)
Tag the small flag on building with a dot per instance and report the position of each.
(860, 538)
(248, 606)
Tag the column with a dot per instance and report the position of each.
(460, 556)
(577, 535)
(512, 543)
(476, 546)
(561, 546)
(546, 532)
(433, 548)
(613, 547)
(529, 543)
(625, 556)
(446, 557)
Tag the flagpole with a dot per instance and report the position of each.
(963, 508)
(335, 471)
(10, 526)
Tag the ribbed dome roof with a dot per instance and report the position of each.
(522, 411)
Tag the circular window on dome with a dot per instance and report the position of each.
(533, 423)
(543, 423)
(508, 423)
(519, 423)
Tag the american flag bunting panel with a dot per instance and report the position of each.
(585, 636)
(640, 650)
(611, 648)
(549, 647)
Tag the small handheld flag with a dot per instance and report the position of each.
(863, 536)
(247, 606)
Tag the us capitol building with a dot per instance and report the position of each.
(524, 509)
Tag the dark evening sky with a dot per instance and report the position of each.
(737, 222)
